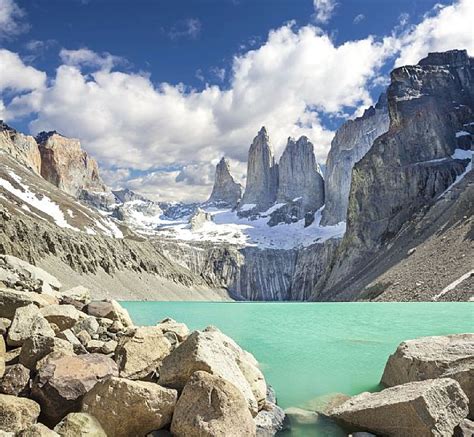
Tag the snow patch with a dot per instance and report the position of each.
(248, 207)
(43, 204)
(462, 133)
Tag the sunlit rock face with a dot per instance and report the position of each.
(21, 147)
(352, 141)
(299, 177)
(262, 174)
(226, 191)
(67, 166)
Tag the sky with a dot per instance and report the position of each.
(159, 90)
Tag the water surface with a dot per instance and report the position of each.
(309, 350)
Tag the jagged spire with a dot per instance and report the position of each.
(225, 190)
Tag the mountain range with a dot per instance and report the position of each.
(390, 218)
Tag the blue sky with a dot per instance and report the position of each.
(159, 90)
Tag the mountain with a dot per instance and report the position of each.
(392, 221)
(351, 142)
(262, 175)
(225, 191)
(67, 166)
(406, 181)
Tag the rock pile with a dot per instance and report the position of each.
(70, 365)
(430, 391)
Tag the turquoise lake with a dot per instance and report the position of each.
(309, 350)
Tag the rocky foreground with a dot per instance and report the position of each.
(70, 366)
(73, 366)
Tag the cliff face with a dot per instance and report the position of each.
(409, 167)
(21, 147)
(262, 174)
(351, 142)
(299, 176)
(67, 166)
(225, 191)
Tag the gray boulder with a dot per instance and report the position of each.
(450, 356)
(109, 309)
(15, 381)
(63, 316)
(27, 322)
(211, 406)
(417, 409)
(270, 420)
(38, 430)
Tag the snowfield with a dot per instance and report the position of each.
(227, 227)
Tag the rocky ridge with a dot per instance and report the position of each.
(350, 144)
(67, 166)
(408, 170)
(83, 368)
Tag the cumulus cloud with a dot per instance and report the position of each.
(16, 76)
(324, 10)
(297, 77)
(11, 19)
(88, 58)
(444, 28)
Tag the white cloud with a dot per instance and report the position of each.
(445, 28)
(289, 83)
(88, 58)
(324, 10)
(16, 76)
(11, 19)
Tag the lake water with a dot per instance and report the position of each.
(309, 350)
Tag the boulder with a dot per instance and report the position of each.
(11, 300)
(63, 316)
(15, 381)
(3, 353)
(62, 381)
(301, 416)
(270, 420)
(140, 353)
(70, 337)
(78, 296)
(170, 325)
(219, 355)
(130, 408)
(27, 322)
(79, 424)
(109, 309)
(450, 356)
(15, 272)
(37, 347)
(109, 347)
(212, 406)
(11, 357)
(95, 346)
(464, 429)
(16, 414)
(428, 408)
(89, 325)
(38, 430)
(4, 325)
